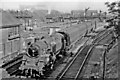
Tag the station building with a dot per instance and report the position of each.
(10, 28)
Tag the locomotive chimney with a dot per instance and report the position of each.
(53, 29)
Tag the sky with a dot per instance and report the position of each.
(61, 5)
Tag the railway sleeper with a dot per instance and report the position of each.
(7, 64)
(14, 67)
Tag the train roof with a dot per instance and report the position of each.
(8, 20)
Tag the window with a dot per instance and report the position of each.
(15, 45)
(0, 46)
(13, 32)
(15, 48)
(16, 30)
(8, 48)
(10, 32)
(1, 50)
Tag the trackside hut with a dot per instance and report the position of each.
(9, 36)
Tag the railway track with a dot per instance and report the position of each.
(74, 68)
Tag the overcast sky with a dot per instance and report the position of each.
(61, 5)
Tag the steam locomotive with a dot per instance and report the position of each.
(40, 55)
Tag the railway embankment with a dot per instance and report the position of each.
(102, 62)
(112, 62)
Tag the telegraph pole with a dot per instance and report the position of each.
(104, 63)
(86, 9)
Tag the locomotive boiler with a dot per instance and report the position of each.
(40, 55)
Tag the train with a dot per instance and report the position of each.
(40, 55)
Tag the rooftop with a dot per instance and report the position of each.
(8, 20)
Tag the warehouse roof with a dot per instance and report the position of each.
(8, 20)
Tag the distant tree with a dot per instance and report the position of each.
(114, 10)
